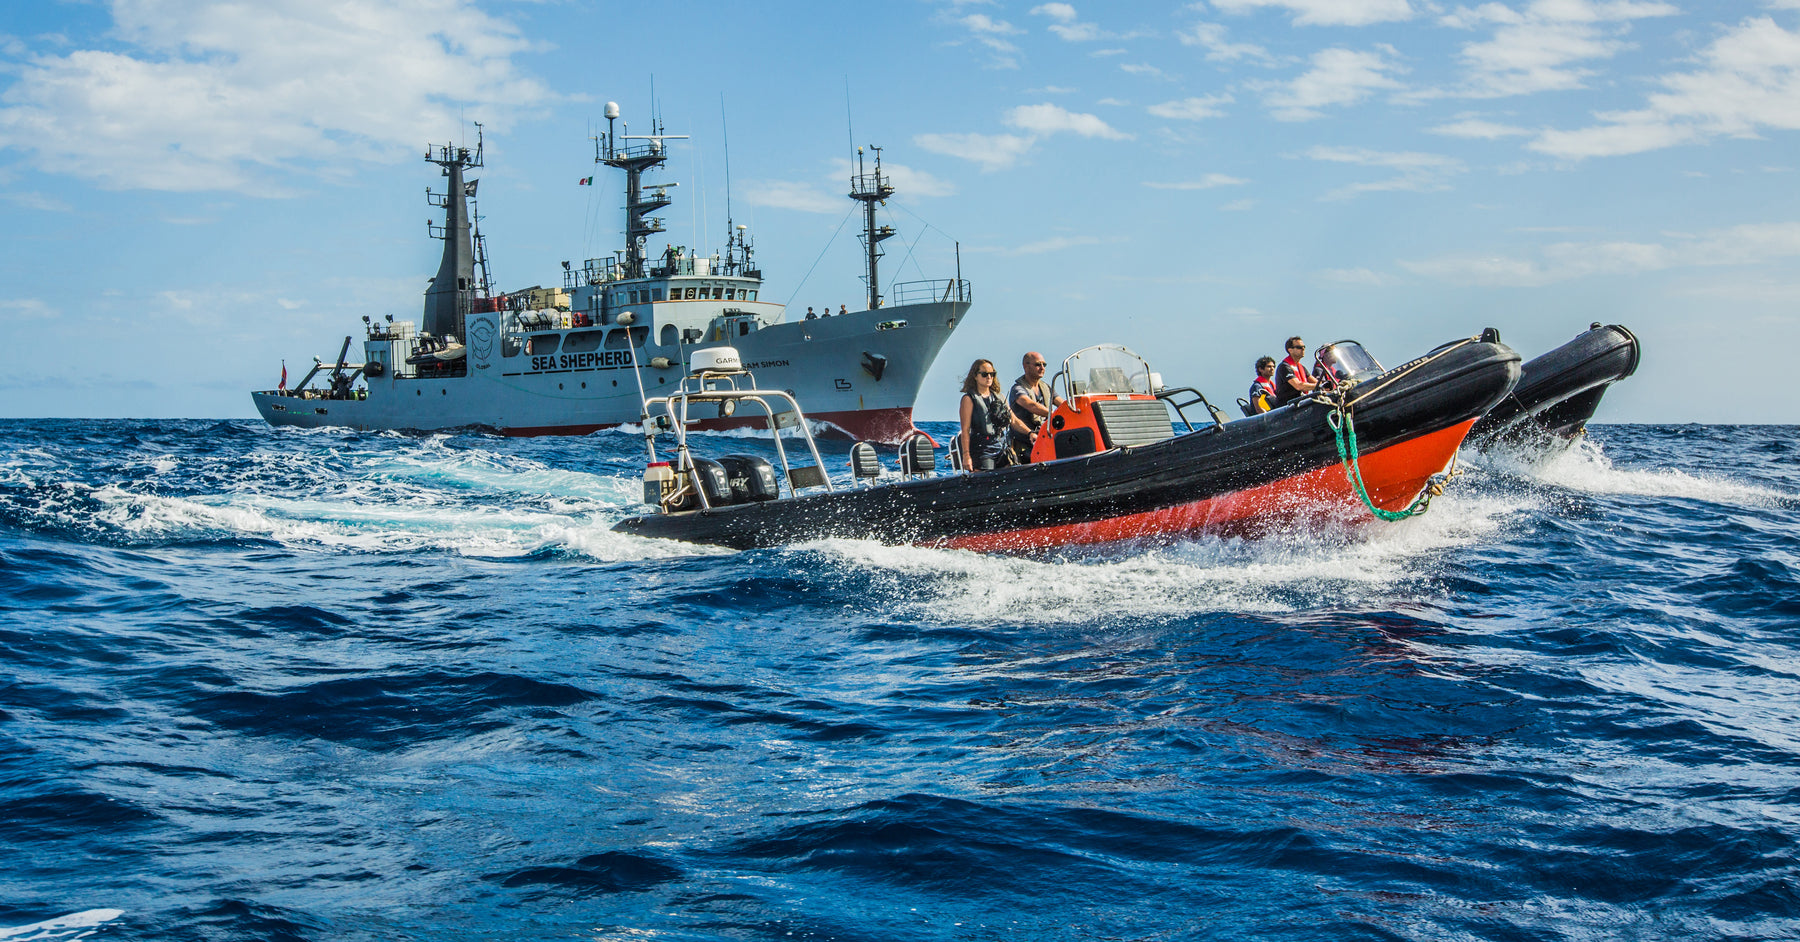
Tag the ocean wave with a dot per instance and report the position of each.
(1584, 466)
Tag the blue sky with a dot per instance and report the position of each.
(195, 191)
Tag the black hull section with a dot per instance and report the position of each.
(1559, 391)
(1444, 393)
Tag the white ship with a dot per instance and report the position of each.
(569, 360)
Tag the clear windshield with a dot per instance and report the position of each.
(1107, 368)
(1348, 360)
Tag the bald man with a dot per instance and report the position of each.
(1031, 399)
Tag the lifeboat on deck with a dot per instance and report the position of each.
(1108, 465)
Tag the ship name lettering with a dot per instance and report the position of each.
(600, 360)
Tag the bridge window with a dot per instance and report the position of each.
(690, 294)
(656, 294)
(582, 341)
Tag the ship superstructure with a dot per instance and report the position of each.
(560, 360)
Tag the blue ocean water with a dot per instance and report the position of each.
(260, 683)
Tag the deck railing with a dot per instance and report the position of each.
(923, 292)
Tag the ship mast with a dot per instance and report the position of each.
(614, 151)
(869, 189)
(447, 299)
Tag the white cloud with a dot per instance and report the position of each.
(998, 151)
(1327, 12)
(1539, 48)
(1207, 182)
(1047, 119)
(27, 309)
(1416, 172)
(1748, 81)
(1337, 77)
(1141, 68)
(1356, 276)
(1052, 244)
(991, 151)
(1751, 244)
(1238, 206)
(220, 95)
(1192, 109)
(982, 23)
(1477, 129)
(1066, 25)
(987, 32)
(1211, 37)
(787, 194)
(826, 196)
(37, 201)
(909, 181)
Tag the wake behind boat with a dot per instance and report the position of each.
(1111, 466)
(560, 361)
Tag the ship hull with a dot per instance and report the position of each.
(1278, 467)
(859, 375)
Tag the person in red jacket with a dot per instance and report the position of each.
(1291, 379)
(1262, 388)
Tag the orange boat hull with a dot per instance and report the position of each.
(1394, 476)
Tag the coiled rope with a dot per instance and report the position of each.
(1343, 428)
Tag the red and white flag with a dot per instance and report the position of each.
(283, 386)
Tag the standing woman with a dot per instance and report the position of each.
(985, 419)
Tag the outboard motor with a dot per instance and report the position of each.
(752, 478)
(714, 482)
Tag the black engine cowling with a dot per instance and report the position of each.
(752, 478)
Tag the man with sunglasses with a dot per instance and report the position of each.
(1031, 399)
(1291, 379)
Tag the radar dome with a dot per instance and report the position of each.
(612, 109)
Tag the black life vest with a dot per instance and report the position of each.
(987, 423)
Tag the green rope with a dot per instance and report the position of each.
(1341, 423)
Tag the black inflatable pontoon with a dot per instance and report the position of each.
(1559, 391)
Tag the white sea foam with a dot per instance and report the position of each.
(73, 926)
(1278, 572)
(1584, 467)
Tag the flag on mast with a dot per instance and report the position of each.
(283, 386)
(586, 181)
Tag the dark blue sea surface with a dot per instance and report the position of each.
(261, 683)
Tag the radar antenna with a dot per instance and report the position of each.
(615, 150)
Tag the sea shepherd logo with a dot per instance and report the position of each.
(481, 341)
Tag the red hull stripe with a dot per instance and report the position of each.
(887, 426)
(1394, 476)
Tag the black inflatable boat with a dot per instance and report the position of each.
(1111, 465)
(1559, 391)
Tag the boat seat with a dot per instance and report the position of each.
(918, 457)
(864, 463)
(1133, 421)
